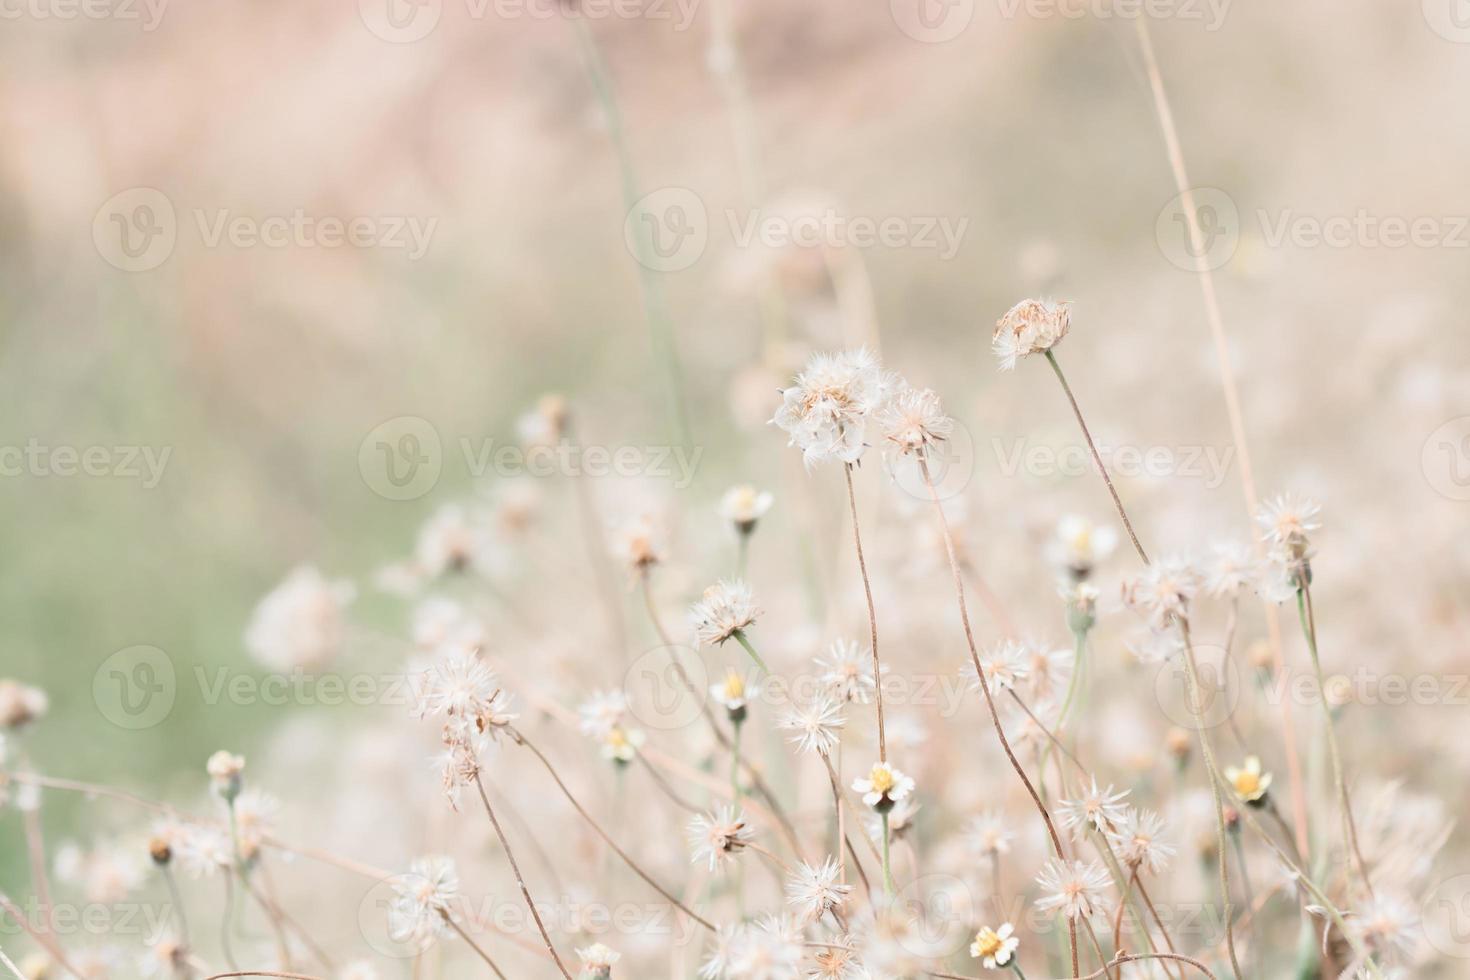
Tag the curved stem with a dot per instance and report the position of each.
(520, 881)
(857, 538)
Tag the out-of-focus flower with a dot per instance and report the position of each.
(638, 545)
(1250, 782)
(1080, 545)
(166, 958)
(255, 815)
(715, 838)
(546, 424)
(817, 725)
(106, 874)
(771, 950)
(202, 849)
(828, 411)
(726, 609)
(743, 506)
(225, 772)
(621, 744)
(735, 693)
(1032, 326)
(989, 835)
(452, 540)
(883, 787)
(423, 902)
(597, 961)
(847, 672)
(995, 947)
(20, 704)
(602, 712)
(1005, 665)
(1162, 592)
(300, 624)
(1231, 570)
(1076, 889)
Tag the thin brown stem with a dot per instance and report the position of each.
(1175, 152)
(1096, 458)
(959, 584)
(475, 946)
(607, 839)
(520, 881)
(857, 539)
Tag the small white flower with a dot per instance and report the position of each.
(913, 422)
(1075, 889)
(828, 411)
(884, 785)
(1231, 569)
(1287, 520)
(743, 506)
(1162, 591)
(1099, 808)
(715, 838)
(1032, 326)
(726, 609)
(1080, 545)
(734, 692)
(597, 961)
(461, 687)
(301, 623)
(995, 947)
(814, 889)
(989, 835)
(225, 770)
(621, 744)
(601, 713)
(202, 849)
(452, 540)
(847, 672)
(639, 545)
(1137, 840)
(20, 704)
(817, 725)
(773, 950)
(423, 901)
(1005, 665)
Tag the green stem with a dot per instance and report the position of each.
(887, 870)
(745, 642)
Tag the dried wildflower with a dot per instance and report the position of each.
(1076, 889)
(718, 960)
(847, 672)
(726, 609)
(1249, 782)
(1287, 522)
(735, 693)
(255, 815)
(452, 540)
(1080, 545)
(597, 961)
(773, 949)
(639, 546)
(817, 725)
(1137, 839)
(1230, 570)
(995, 947)
(20, 704)
(814, 889)
(546, 424)
(166, 958)
(439, 623)
(743, 506)
(423, 902)
(883, 787)
(1161, 592)
(988, 835)
(300, 624)
(913, 422)
(715, 838)
(202, 849)
(225, 771)
(828, 411)
(837, 963)
(601, 713)
(1032, 326)
(1005, 665)
(106, 874)
(1101, 809)
(621, 744)
(461, 687)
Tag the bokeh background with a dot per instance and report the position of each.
(261, 371)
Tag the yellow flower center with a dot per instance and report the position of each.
(1082, 539)
(1247, 784)
(882, 779)
(987, 943)
(734, 686)
(617, 738)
